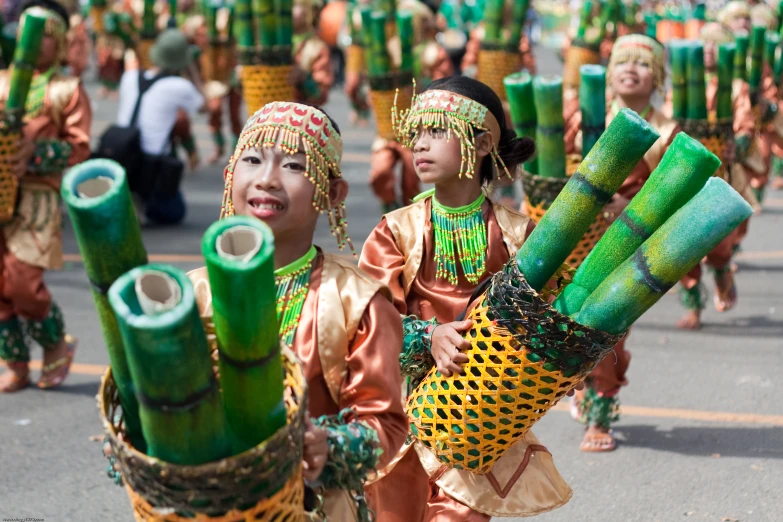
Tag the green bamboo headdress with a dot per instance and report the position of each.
(455, 114)
(299, 128)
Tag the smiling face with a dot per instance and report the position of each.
(633, 78)
(710, 51)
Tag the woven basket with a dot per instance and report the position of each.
(382, 103)
(524, 357)
(262, 84)
(96, 13)
(9, 184)
(247, 482)
(143, 53)
(715, 136)
(354, 59)
(577, 56)
(493, 66)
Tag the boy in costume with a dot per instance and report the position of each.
(56, 135)
(636, 71)
(285, 171)
(433, 254)
(313, 76)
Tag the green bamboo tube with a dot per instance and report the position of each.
(519, 88)
(405, 32)
(517, 22)
(210, 19)
(148, 19)
(380, 61)
(592, 103)
(600, 174)
(366, 15)
(678, 52)
(243, 22)
(493, 20)
(676, 247)
(780, 16)
(25, 58)
(285, 22)
(179, 399)
(681, 174)
(550, 126)
(265, 19)
(584, 19)
(246, 327)
(104, 222)
(697, 93)
(651, 24)
(724, 107)
(757, 44)
(741, 56)
(772, 42)
(172, 13)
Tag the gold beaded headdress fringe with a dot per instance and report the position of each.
(640, 48)
(455, 114)
(297, 128)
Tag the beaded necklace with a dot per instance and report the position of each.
(293, 283)
(464, 227)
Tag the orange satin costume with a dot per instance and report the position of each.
(400, 253)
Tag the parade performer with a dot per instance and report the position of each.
(313, 75)
(79, 48)
(111, 46)
(56, 136)
(285, 172)
(411, 252)
(636, 72)
(355, 73)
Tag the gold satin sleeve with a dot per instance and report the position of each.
(382, 259)
(77, 119)
(372, 386)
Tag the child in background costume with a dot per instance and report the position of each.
(56, 135)
(79, 47)
(636, 71)
(111, 47)
(339, 321)
(313, 75)
(460, 142)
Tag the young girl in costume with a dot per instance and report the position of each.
(433, 254)
(636, 71)
(285, 171)
(56, 136)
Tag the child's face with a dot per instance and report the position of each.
(710, 49)
(271, 185)
(436, 157)
(633, 78)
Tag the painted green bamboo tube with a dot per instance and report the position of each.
(243, 23)
(285, 22)
(517, 23)
(584, 19)
(172, 13)
(148, 19)
(757, 43)
(681, 174)
(381, 63)
(179, 399)
(25, 57)
(772, 42)
(550, 126)
(678, 53)
(519, 89)
(493, 20)
(265, 19)
(210, 19)
(592, 103)
(676, 247)
(366, 15)
(600, 174)
(697, 93)
(724, 107)
(104, 222)
(741, 56)
(8, 41)
(780, 16)
(405, 32)
(239, 252)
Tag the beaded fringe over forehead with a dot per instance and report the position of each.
(455, 114)
(637, 47)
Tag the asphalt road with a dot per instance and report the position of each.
(701, 437)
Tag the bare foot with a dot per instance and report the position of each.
(690, 321)
(57, 363)
(212, 159)
(15, 378)
(725, 297)
(575, 408)
(598, 440)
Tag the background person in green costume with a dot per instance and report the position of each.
(313, 75)
(285, 171)
(56, 136)
(636, 72)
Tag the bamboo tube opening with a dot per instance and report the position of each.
(157, 292)
(239, 244)
(94, 187)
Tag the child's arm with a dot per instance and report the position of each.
(381, 258)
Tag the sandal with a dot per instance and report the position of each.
(598, 441)
(55, 373)
(19, 377)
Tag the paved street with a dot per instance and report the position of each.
(701, 437)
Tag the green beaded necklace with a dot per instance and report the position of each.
(293, 283)
(464, 227)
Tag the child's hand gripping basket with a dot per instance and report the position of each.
(262, 484)
(524, 357)
(10, 133)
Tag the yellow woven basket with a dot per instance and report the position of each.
(143, 53)
(262, 84)
(715, 136)
(354, 59)
(382, 103)
(96, 13)
(575, 58)
(493, 66)
(9, 184)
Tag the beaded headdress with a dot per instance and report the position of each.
(732, 11)
(716, 33)
(762, 14)
(298, 128)
(458, 116)
(638, 47)
(54, 27)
